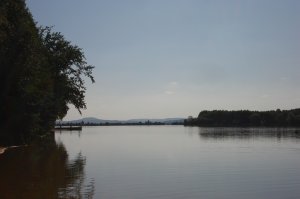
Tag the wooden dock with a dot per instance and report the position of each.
(68, 128)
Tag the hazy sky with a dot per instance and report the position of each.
(174, 58)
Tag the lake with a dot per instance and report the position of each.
(156, 162)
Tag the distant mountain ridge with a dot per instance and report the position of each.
(94, 120)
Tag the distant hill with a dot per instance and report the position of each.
(90, 120)
(93, 120)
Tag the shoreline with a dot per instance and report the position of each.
(3, 149)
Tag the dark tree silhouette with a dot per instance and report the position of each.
(221, 118)
(41, 73)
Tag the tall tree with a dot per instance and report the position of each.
(41, 73)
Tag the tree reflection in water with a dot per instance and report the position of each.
(248, 133)
(43, 170)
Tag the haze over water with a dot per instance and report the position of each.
(174, 58)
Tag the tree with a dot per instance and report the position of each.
(41, 73)
(67, 65)
(255, 119)
(216, 118)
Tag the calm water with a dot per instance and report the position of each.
(157, 162)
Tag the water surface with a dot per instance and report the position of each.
(162, 162)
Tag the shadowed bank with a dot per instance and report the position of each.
(43, 170)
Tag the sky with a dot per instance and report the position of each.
(175, 58)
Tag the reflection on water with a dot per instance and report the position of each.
(249, 133)
(161, 162)
(43, 171)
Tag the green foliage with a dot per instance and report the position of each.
(41, 73)
(67, 63)
(221, 118)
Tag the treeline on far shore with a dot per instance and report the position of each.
(147, 123)
(223, 118)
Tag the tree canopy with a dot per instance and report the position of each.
(41, 74)
(222, 118)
